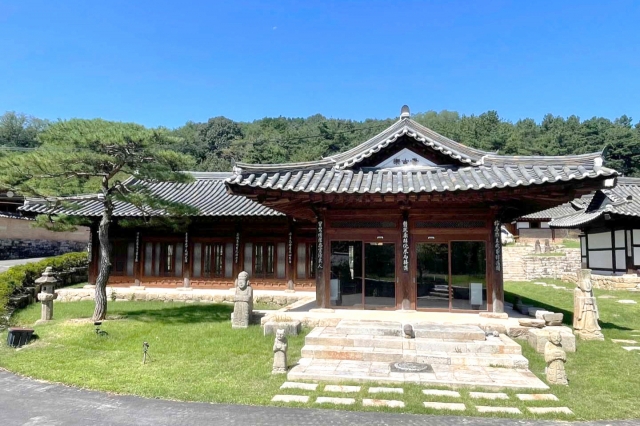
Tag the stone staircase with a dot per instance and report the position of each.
(364, 350)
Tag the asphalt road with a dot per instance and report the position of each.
(30, 402)
(6, 264)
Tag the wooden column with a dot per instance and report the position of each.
(137, 259)
(186, 267)
(322, 259)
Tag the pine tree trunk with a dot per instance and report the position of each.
(104, 268)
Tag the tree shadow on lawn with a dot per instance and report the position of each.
(185, 314)
(567, 318)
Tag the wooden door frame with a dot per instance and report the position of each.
(435, 236)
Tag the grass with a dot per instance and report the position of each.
(603, 378)
(196, 356)
(571, 243)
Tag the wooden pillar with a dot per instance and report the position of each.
(497, 288)
(137, 260)
(186, 267)
(322, 258)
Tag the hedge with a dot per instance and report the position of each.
(20, 276)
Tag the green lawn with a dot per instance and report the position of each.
(196, 356)
(604, 378)
(571, 243)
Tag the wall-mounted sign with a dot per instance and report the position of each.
(186, 247)
(497, 236)
(136, 256)
(405, 246)
(290, 247)
(236, 249)
(320, 260)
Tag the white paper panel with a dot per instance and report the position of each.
(629, 244)
(621, 260)
(619, 236)
(522, 225)
(544, 225)
(583, 246)
(476, 293)
(248, 258)
(148, 258)
(599, 240)
(179, 260)
(197, 259)
(228, 260)
(302, 260)
(600, 259)
(636, 236)
(282, 255)
(636, 255)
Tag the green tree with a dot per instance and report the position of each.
(20, 130)
(97, 157)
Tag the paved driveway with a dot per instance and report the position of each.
(32, 403)
(6, 264)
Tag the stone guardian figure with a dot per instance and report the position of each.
(243, 302)
(555, 358)
(280, 353)
(585, 309)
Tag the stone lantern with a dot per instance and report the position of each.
(47, 293)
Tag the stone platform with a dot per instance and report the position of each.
(450, 355)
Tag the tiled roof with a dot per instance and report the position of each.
(621, 200)
(329, 180)
(480, 169)
(207, 193)
(554, 212)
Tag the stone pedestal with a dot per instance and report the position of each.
(539, 337)
(291, 328)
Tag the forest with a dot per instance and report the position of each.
(214, 145)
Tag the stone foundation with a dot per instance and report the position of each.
(174, 295)
(25, 249)
(608, 282)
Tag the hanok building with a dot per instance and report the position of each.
(610, 225)
(406, 220)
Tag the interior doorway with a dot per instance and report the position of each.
(450, 275)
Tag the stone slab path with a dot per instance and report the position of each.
(76, 407)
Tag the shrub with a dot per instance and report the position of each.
(20, 276)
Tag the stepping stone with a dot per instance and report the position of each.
(436, 392)
(488, 395)
(386, 390)
(295, 385)
(606, 296)
(342, 389)
(336, 401)
(536, 397)
(382, 403)
(631, 348)
(627, 302)
(290, 398)
(547, 410)
(510, 410)
(631, 342)
(452, 406)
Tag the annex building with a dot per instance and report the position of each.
(409, 219)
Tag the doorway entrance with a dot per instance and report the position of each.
(363, 274)
(450, 275)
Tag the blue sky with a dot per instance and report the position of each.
(166, 62)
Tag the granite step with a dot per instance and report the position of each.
(367, 353)
(495, 345)
(421, 330)
(339, 371)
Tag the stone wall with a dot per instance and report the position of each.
(173, 295)
(606, 282)
(20, 240)
(521, 264)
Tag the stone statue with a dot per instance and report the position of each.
(243, 302)
(537, 248)
(585, 309)
(547, 246)
(555, 358)
(280, 353)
